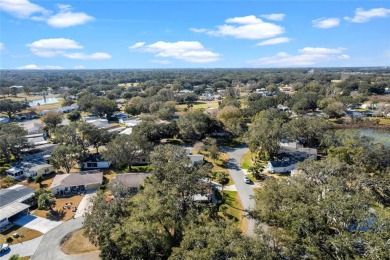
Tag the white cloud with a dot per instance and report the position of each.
(83, 56)
(274, 17)
(21, 8)
(67, 18)
(64, 18)
(189, 51)
(198, 30)
(362, 16)
(325, 23)
(79, 67)
(52, 47)
(247, 27)
(137, 45)
(163, 62)
(307, 56)
(60, 46)
(274, 41)
(36, 67)
(2, 47)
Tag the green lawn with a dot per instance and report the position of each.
(246, 160)
(232, 200)
(199, 105)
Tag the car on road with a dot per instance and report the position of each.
(247, 180)
(3, 247)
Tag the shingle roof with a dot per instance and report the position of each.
(76, 179)
(131, 180)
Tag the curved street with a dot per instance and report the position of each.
(245, 191)
(50, 246)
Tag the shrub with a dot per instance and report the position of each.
(7, 182)
(9, 240)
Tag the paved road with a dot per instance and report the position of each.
(49, 248)
(22, 249)
(244, 190)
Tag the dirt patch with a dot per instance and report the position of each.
(64, 213)
(24, 233)
(76, 243)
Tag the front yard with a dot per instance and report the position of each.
(24, 233)
(62, 213)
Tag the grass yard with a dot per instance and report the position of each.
(27, 234)
(246, 160)
(384, 121)
(235, 209)
(219, 164)
(63, 214)
(77, 243)
(199, 105)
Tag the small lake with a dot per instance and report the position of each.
(379, 136)
(46, 101)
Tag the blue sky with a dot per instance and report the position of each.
(105, 34)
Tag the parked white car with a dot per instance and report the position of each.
(4, 247)
(247, 180)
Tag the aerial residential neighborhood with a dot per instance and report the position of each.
(194, 130)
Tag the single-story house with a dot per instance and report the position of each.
(37, 152)
(14, 200)
(24, 116)
(196, 159)
(120, 115)
(283, 108)
(288, 155)
(131, 180)
(67, 109)
(33, 126)
(4, 119)
(76, 182)
(130, 122)
(36, 139)
(283, 165)
(94, 161)
(100, 123)
(127, 131)
(29, 169)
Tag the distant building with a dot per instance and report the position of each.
(94, 161)
(29, 169)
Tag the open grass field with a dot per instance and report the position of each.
(77, 243)
(25, 234)
(199, 105)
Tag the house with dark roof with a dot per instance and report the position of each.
(94, 161)
(13, 201)
(290, 153)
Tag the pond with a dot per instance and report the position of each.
(46, 101)
(379, 136)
